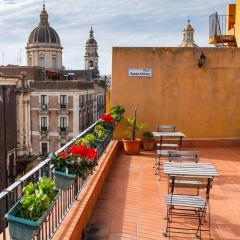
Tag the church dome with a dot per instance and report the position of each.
(44, 33)
(91, 40)
(188, 27)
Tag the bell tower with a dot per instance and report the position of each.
(91, 54)
(188, 36)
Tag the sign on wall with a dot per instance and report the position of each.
(140, 72)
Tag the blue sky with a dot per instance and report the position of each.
(157, 23)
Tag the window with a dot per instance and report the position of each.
(63, 101)
(44, 148)
(80, 121)
(43, 123)
(41, 61)
(30, 61)
(84, 100)
(90, 63)
(54, 62)
(44, 101)
(11, 166)
(63, 124)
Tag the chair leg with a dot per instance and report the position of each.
(209, 221)
(167, 231)
(200, 221)
(156, 164)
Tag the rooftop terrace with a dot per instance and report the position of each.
(132, 206)
(124, 199)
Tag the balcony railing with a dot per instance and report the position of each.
(62, 129)
(218, 30)
(44, 107)
(13, 193)
(44, 129)
(63, 105)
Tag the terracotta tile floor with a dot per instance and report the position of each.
(132, 206)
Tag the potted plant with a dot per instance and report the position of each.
(100, 132)
(132, 144)
(148, 141)
(76, 161)
(107, 121)
(28, 214)
(87, 141)
(117, 112)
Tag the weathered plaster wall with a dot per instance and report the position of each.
(201, 102)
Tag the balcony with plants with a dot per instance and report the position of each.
(36, 204)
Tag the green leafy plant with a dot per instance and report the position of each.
(117, 112)
(37, 198)
(100, 132)
(148, 135)
(88, 140)
(133, 126)
(117, 109)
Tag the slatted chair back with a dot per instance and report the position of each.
(191, 206)
(166, 128)
(184, 156)
(189, 182)
(195, 183)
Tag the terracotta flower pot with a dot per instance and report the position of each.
(132, 146)
(149, 145)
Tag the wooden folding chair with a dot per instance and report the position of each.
(188, 206)
(162, 147)
(183, 156)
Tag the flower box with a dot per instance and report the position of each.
(63, 180)
(23, 229)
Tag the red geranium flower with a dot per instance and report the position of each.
(73, 150)
(81, 151)
(63, 155)
(107, 118)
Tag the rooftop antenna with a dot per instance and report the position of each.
(20, 57)
(2, 58)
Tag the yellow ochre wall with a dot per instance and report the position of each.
(108, 103)
(201, 102)
(231, 15)
(237, 23)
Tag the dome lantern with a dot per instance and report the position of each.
(44, 16)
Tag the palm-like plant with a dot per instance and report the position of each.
(133, 126)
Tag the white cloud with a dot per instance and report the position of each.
(116, 23)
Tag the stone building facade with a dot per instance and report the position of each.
(61, 103)
(61, 110)
(15, 125)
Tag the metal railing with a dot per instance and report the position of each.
(218, 24)
(13, 193)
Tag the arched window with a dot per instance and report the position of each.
(90, 63)
(54, 62)
(41, 61)
(30, 61)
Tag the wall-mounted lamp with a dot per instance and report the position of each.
(201, 59)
